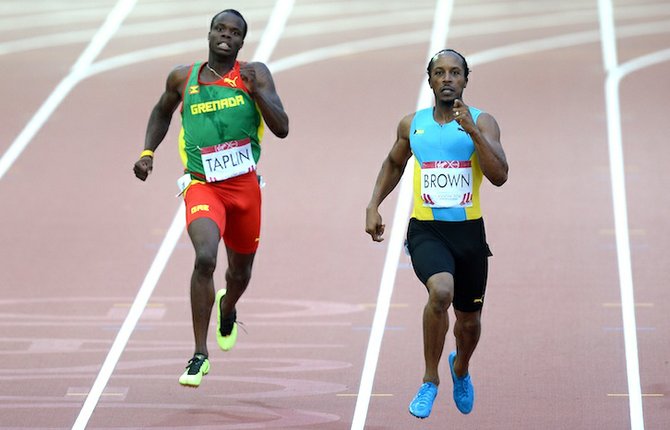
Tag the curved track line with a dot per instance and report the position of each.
(564, 41)
(615, 73)
(383, 42)
(77, 73)
(641, 62)
(381, 20)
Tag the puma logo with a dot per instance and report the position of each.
(231, 82)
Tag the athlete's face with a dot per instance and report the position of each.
(227, 34)
(447, 77)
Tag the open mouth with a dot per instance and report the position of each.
(223, 45)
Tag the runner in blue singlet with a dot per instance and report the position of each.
(454, 146)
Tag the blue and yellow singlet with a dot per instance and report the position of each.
(447, 175)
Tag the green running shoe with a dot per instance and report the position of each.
(226, 326)
(197, 367)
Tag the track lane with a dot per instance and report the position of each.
(303, 222)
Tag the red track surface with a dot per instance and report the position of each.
(79, 232)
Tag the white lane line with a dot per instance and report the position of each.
(442, 20)
(488, 59)
(622, 238)
(564, 41)
(607, 34)
(383, 19)
(134, 314)
(268, 41)
(276, 26)
(615, 141)
(77, 73)
(642, 62)
(384, 42)
(281, 65)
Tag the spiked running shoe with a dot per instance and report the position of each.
(422, 403)
(464, 392)
(197, 367)
(226, 326)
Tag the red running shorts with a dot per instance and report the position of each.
(234, 205)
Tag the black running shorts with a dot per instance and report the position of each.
(456, 247)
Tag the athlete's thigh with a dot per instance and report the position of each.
(429, 253)
(240, 263)
(470, 283)
(203, 201)
(243, 212)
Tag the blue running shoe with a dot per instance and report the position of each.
(422, 403)
(464, 392)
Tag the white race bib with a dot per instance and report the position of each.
(446, 184)
(227, 160)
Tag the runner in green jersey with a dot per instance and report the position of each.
(224, 107)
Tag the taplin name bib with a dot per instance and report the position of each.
(446, 184)
(227, 160)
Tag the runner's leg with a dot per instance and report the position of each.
(467, 330)
(205, 236)
(238, 276)
(436, 322)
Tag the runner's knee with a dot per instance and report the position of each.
(239, 276)
(470, 325)
(205, 262)
(440, 291)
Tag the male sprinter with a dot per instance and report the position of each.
(223, 106)
(454, 146)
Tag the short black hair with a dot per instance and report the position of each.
(466, 69)
(234, 12)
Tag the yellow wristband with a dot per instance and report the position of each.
(147, 153)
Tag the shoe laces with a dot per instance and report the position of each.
(195, 363)
(425, 395)
(227, 322)
(462, 386)
(241, 325)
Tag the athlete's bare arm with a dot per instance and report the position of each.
(388, 178)
(486, 137)
(259, 82)
(161, 115)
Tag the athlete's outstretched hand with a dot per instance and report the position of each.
(143, 167)
(373, 225)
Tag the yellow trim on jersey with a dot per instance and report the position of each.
(261, 126)
(184, 159)
(420, 211)
(475, 211)
(182, 147)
